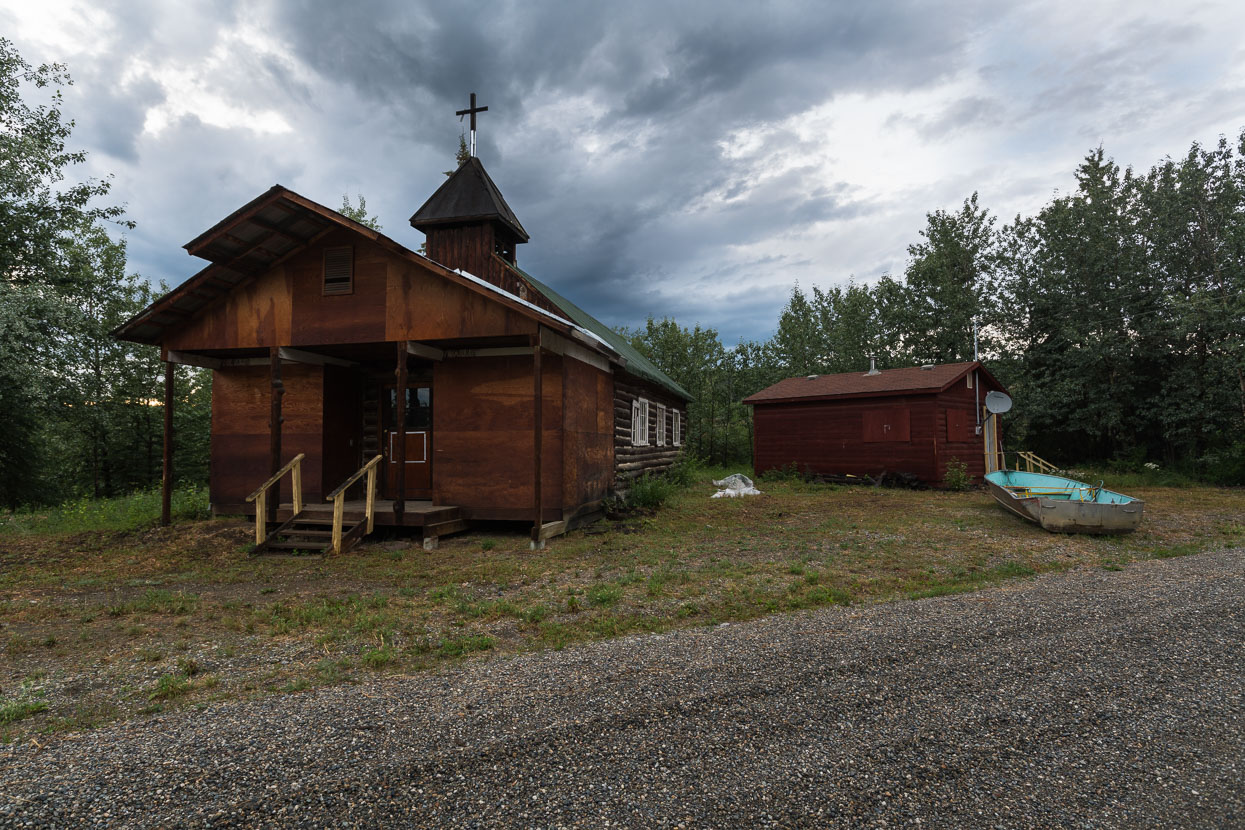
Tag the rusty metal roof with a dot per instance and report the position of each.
(469, 195)
(912, 380)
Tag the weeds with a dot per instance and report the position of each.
(957, 477)
(132, 512)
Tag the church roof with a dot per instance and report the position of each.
(468, 195)
(636, 363)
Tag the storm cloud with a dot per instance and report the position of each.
(686, 159)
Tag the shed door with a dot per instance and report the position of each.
(885, 425)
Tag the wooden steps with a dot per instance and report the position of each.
(312, 531)
(310, 534)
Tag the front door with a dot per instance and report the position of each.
(415, 434)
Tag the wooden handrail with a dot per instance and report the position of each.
(276, 476)
(338, 497)
(1031, 462)
(344, 485)
(260, 496)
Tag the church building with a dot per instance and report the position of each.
(469, 390)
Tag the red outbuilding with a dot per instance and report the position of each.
(912, 420)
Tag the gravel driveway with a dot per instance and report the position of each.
(1091, 698)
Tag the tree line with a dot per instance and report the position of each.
(1115, 316)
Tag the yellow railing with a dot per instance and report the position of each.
(260, 496)
(338, 497)
(1033, 464)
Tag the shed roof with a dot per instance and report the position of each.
(912, 380)
(468, 195)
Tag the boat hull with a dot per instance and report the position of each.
(1109, 512)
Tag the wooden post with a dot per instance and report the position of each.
(371, 497)
(339, 507)
(166, 481)
(537, 433)
(274, 428)
(399, 428)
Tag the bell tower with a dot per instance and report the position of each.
(467, 222)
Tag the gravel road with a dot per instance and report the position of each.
(1085, 699)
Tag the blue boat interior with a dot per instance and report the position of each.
(1024, 485)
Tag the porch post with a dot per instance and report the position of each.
(166, 481)
(399, 427)
(537, 433)
(274, 429)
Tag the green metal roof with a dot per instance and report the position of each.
(637, 364)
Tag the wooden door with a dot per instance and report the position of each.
(416, 433)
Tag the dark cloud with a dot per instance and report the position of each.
(607, 124)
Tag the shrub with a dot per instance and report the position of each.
(957, 477)
(649, 491)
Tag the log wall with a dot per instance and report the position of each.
(630, 461)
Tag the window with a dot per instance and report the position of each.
(677, 429)
(969, 377)
(886, 425)
(339, 270)
(661, 425)
(639, 423)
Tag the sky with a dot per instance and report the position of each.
(692, 160)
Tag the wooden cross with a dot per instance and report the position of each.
(472, 110)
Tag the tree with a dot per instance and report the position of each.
(40, 220)
(359, 213)
(949, 282)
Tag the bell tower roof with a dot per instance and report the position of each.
(468, 196)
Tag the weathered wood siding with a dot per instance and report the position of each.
(471, 248)
(631, 461)
(394, 298)
(828, 437)
(482, 436)
(588, 434)
(240, 411)
(957, 430)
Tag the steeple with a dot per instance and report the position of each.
(467, 221)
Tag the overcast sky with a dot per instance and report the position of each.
(682, 159)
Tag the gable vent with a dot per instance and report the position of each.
(339, 270)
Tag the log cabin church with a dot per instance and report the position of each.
(466, 389)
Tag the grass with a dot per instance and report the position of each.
(117, 623)
(123, 513)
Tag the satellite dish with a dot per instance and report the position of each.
(997, 402)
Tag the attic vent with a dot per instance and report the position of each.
(339, 270)
(812, 377)
(927, 367)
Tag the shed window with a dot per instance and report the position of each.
(969, 377)
(677, 429)
(639, 423)
(885, 425)
(661, 425)
(339, 270)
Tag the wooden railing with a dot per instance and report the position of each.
(338, 497)
(260, 496)
(1031, 463)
